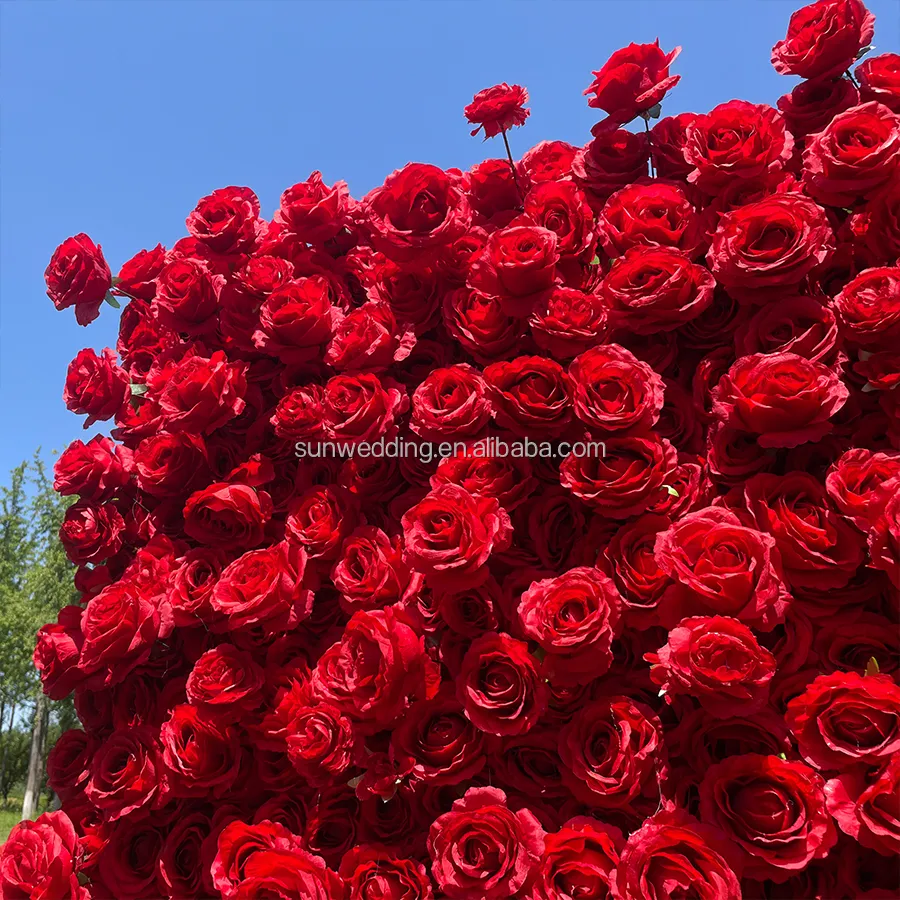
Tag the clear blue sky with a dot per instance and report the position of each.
(117, 117)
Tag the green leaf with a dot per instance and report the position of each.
(671, 491)
(112, 300)
(138, 390)
(872, 667)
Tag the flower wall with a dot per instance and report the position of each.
(667, 667)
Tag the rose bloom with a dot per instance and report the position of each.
(673, 850)
(669, 136)
(39, 860)
(824, 38)
(79, 276)
(854, 156)
(95, 385)
(226, 221)
(800, 325)
(574, 619)
(530, 395)
(632, 81)
(371, 872)
(509, 480)
(96, 470)
(768, 247)
(450, 535)
(844, 719)
(884, 539)
(719, 566)
(313, 211)
(450, 404)
(613, 159)
(879, 79)
(499, 685)
(225, 515)
(568, 322)
(772, 809)
(868, 307)
(481, 850)
(860, 484)
(783, 398)
(497, 109)
(614, 391)
(811, 105)
(717, 660)
(653, 289)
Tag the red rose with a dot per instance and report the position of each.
(518, 265)
(95, 385)
(785, 399)
(451, 404)
(824, 38)
(300, 414)
(497, 109)
(879, 80)
(287, 873)
(370, 872)
(719, 566)
(818, 548)
(633, 80)
(185, 856)
(531, 396)
(321, 519)
(625, 480)
(884, 539)
(362, 407)
(368, 339)
(227, 515)
(613, 753)
(264, 588)
(313, 211)
(38, 860)
(450, 535)
(418, 211)
(201, 395)
(137, 277)
(120, 626)
(811, 105)
(614, 391)
(375, 670)
(187, 297)
(560, 207)
(768, 247)
(125, 774)
(92, 533)
(509, 480)
(297, 320)
(568, 322)
(547, 161)
(320, 743)
(843, 719)
(226, 221)
(480, 324)
(717, 660)
(868, 812)
(800, 325)
(614, 158)
(672, 849)
(225, 683)
(499, 685)
(772, 809)
(97, 470)
(854, 156)
(57, 652)
(69, 762)
(669, 136)
(78, 276)
(236, 845)
(168, 465)
(192, 585)
(579, 859)
(655, 289)
(860, 484)
(868, 308)
(444, 746)
(481, 850)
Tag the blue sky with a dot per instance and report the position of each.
(117, 117)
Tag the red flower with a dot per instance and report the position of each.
(497, 109)
(78, 276)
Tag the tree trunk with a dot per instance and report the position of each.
(36, 759)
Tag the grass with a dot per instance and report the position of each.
(10, 814)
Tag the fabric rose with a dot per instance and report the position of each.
(497, 109)
(95, 386)
(719, 566)
(187, 297)
(369, 872)
(783, 398)
(718, 661)
(811, 105)
(632, 81)
(574, 619)
(297, 320)
(226, 221)
(674, 850)
(481, 849)
(96, 470)
(313, 211)
(772, 809)
(39, 860)
(320, 743)
(768, 247)
(79, 276)
(125, 774)
(868, 308)
(224, 515)
(225, 683)
(800, 325)
(568, 322)
(499, 685)
(843, 719)
(451, 404)
(530, 395)
(613, 159)
(879, 79)
(450, 535)
(824, 38)
(613, 391)
(560, 207)
(653, 289)
(361, 407)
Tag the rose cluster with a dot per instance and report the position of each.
(665, 670)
